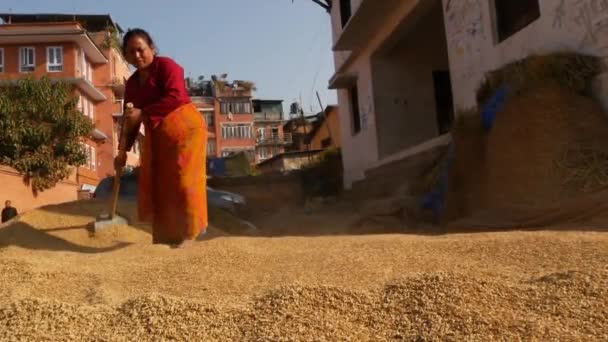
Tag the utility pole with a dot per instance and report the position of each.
(303, 121)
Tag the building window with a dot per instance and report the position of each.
(353, 95)
(345, 11)
(91, 155)
(208, 118)
(54, 55)
(235, 107)
(93, 158)
(211, 147)
(27, 58)
(238, 131)
(262, 133)
(1, 60)
(513, 15)
(85, 67)
(91, 110)
(86, 107)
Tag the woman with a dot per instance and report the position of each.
(172, 177)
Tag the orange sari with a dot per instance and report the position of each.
(172, 191)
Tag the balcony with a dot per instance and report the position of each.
(274, 139)
(267, 117)
(364, 23)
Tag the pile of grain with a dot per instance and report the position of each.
(59, 283)
(531, 157)
(441, 306)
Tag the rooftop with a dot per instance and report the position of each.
(91, 22)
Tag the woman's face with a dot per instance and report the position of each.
(139, 53)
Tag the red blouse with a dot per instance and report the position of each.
(163, 92)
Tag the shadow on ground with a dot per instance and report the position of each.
(332, 220)
(21, 234)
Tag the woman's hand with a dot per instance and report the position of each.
(120, 161)
(133, 118)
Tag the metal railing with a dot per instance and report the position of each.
(274, 139)
(267, 116)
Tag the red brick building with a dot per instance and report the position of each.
(77, 49)
(237, 123)
(268, 123)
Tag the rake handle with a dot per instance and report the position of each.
(118, 171)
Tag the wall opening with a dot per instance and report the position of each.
(444, 102)
(345, 11)
(514, 15)
(412, 91)
(353, 95)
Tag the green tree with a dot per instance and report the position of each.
(41, 131)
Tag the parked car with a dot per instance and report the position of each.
(128, 190)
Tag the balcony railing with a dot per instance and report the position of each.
(274, 139)
(267, 116)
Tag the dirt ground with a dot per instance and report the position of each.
(299, 280)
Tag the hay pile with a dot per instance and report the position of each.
(59, 283)
(548, 144)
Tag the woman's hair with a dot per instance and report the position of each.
(136, 32)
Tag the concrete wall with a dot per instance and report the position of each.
(579, 25)
(404, 93)
(331, 125)
(21, 195)
(360, 150)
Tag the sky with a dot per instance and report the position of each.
(283, 47)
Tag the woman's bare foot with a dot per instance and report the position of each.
(184, 244)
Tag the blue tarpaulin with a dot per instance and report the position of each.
(217, 167)
(435, 199)
(493, 107)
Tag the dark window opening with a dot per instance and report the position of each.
(257, 107)
(235, 107)
(354, 105)
(514, 15)
(345, 11)
(443, 101)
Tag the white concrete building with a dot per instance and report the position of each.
(402, 66)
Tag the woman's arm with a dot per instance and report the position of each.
(132, 132)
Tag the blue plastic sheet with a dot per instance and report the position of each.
(435, 199)
(217, 166)
(493, 107)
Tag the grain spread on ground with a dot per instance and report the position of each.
(59, 282)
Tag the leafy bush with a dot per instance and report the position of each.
(41, 131)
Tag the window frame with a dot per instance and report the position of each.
(237, 131)
(22, 49)
(2, 60)
(500, 32)
(49, 65)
